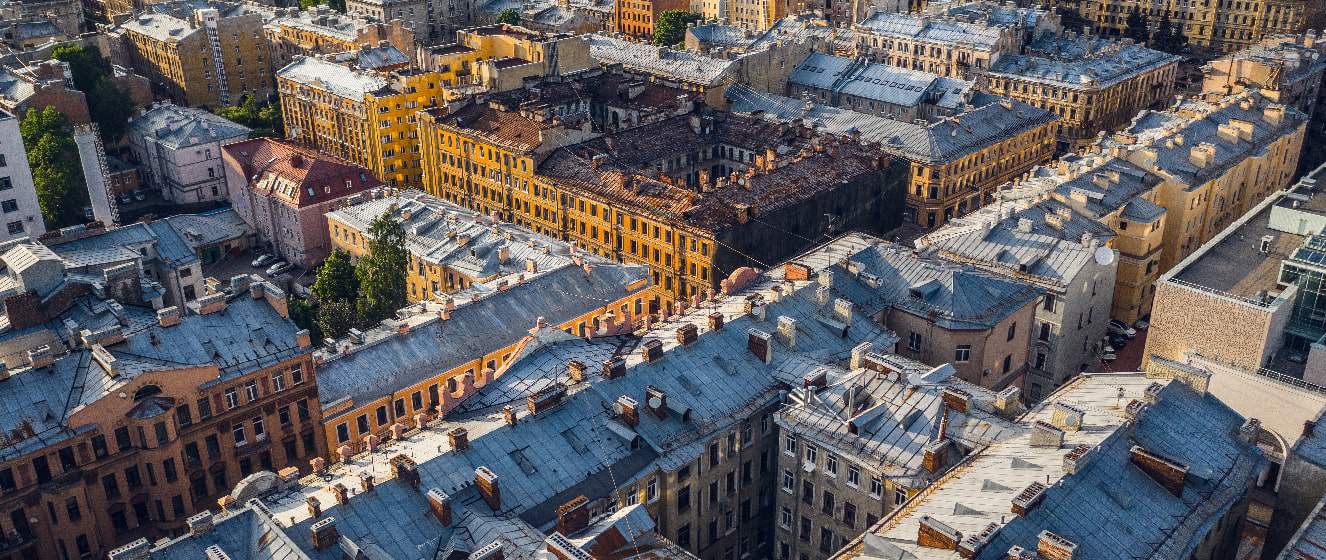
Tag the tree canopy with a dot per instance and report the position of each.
(509, 16)
(264, 118)
(1168, 36)
(336, 278)
(1137, 26)
(56, 171)
(109, 106)
(670, 28)
(381, 272)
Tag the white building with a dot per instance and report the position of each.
(179, 149)
(18, 197)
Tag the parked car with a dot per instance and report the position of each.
(1141, 324)
(263, 260)
(1120, 327)
(1107, 357)
(140, 196)
(279, 268)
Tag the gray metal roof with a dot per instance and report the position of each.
(674, 64)
(181, 127)
(209, 228)
(941, 30)
(879, 82)
(1080, 62)
(337, 79)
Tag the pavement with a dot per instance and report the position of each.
(1130, 357)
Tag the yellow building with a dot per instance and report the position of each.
(499, 57)
(1219, 25)
(322, 30)
(1216, 160)
(364, 117)
(208, 56)
(1092, 84)
(681, 194)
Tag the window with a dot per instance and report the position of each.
(283, 415)
(805, 529)
(831, 464)
(1044, 334)
(790, 445)
(849, 515)
(1008, 362)
(1049, 303)
(302, 408)
(278, 381)
(110, 486)
(362, 423)
(808, 492)
(10, 205)
(789, 481)
(826, 540)
(239, 434)
(296, 374)
(1012, 331)
(827, 503)
(342, 433)
(382, 415)
(713, 454)
(251, 390)
(962, 353)
(684, 536)
(168, 467)
(15, 228)
(183, 416)
(71, 507)
(914, 342)
(713, 492)
(812, 453)
(161, 432)
(259, 429)
(853, 475)
(899, 496)
(232, 398)
(785, 519)
(632, 496)
(876, 486)
(684, 499)
(651, 490)
(204, 408)
(122, 441)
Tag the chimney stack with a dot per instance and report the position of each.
(686, 334)
(405, 470)
(314, 506)
(614, 367)
(573, 516)
(575, 369)
(324, 534)
(1045, 434)
(933, 533)
(341, 493)
(459, 438)
(760, 344)
(652, 350)
(168, 316)
(1054, 547)
(487, 482)
(200, 523)
(657, 401)
(440, 504)
(629, 410)
(787, 331)
(715, 321)
(509, 415)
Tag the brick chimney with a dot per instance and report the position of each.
(716, 321)
(1077, 459)
(575, 369)
(614, 367)
(509, 415)
(652, 350)
(211, 303)
(1067, 416)
(656, 401)
(365, 482)
(491, 551)
(787, 331)
(303, 338)
(324, 534)
(440, 504)
(796, 272)
(1054, 547)
(459, 438)
(136, 550)
(405, 470)
(629, 411)
(168, 316)
(314, 506)
(1044, 434)
(341, 493)
(957, 400)
(487, 482)
(573, 516)
(933, 533)
(760, 344)
(971, 545)
(686, 334)
(200, 523)
(1028, 498)
(1167, 472)
(545, 399)
(1308, 427)
(935, 455)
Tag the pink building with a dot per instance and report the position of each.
(284, 191)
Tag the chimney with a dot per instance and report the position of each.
(168, 316)
(1077, 459)
(200, 523)
(303, 338)
(545, 399)
(759, 343)
(657, 401)
(614, 367)
(859, 353)
(1045, 434)
(487, 482)
(715, 321)
(1067, 416)
(956, 399)
(459, 438)
(440, 504)
(1167, 472)
(1008, 402)
(935, 455)
(628, 410)
(575, 369)
(796, 272)
(405, 470)
(509, 415)
(652, 350)
(314, 506)
(211, 303)
(365, 482)
(686, 334)
(137, 550)
(787, 331)
(933, 533)
(1054, 547)
(341, 493)
(41, 356)
(492, 551)
(1028, 498)
(1308, 427)
(324, 533)
(573, 516)
(842, 311)
(972, 544)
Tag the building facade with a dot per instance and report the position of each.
(19, 208)
(636, 18)
(179, 151)
(322, 30)
(1215, 25)
(500, 57)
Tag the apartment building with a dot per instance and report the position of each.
(714, 37)
(206, 54)
(172, 270)
(1248, 297)
(635, 18)
(19, 208)
(1286, 69)
(45, 84)
(366, 118)
(959, 45)
(855, 451)
(322, 30)
(746, 15)
(1216, 161)
(1068, 484)
(500, 57)
(954, 163)
(67, 15)
(694, 196)
(1039, 240)
(188, 402)
(1216, 25)
(878, 89)
(283, 192)
(431, 22)
(179, 151)
(1092, 84)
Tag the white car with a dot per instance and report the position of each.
(1141, 324)
(278, 268)
(1107, 357)
(263, 260)
(1119, 327)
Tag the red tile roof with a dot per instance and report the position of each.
(297, 175)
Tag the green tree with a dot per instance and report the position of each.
(670, 28)
(1137, 26)
(108, 105)
(305, 316)
(263, 118)
(335, 318)
(56, 172)
(509, 16)
(381, 272)
(85, 63)
(336, 279)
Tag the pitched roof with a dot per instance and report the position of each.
(295, 175)
(182, 127)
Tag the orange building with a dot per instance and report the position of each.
(635, 18)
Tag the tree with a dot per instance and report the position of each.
(1137, 26)
(336, 318)
(305, 316)
(509, 16)
(108, 105)
(85, 63)
(670, 28)
(336, 279)
(263, 118)
(381, 272)
(56, 171)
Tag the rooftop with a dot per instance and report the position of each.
(1080, 62)
(321, 20)
(934, 29)
(296, 175)
(1310, 539)
(182, 127)
(209, 228)
(1079, 468)
(880, 82)
(337, 79)
(991, 121)
(670, 64)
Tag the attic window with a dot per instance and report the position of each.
(146, 391)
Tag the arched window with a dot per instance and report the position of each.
(146, 391)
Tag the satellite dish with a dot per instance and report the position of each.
(655, 402)
(1104, 256)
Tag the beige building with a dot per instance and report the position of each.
(1217, 25)
(957, 42)
(500, 57)
(1092, 84)
(322, 30)
(209, 54)
(1216, 160)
